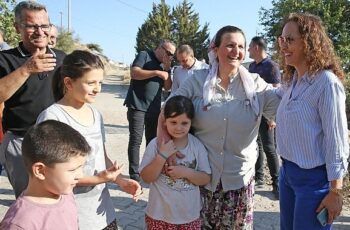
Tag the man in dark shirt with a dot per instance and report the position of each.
(25, 85)
(269, 71)
(149, 74)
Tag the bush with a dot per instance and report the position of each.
(347, 102)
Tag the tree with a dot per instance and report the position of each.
(7, 20)
(186, 29)
(156, 27)
(334, 14)
(95, 47)
(65, 41)
(181, 26)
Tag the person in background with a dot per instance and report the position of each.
(188, 63)
(229, 102)
(75, 86)
(54, 164)
(53, 36)
(179, 184)
(25, 85)
(149, 74)
(3, 46)
(311, 132)
(270, 72)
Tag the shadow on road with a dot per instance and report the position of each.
(267, 194)
(116, 129)
(114, 85)
(119, 91)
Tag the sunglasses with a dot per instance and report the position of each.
(170, 54)
(288, 40)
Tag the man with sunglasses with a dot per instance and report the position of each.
(149, 74)
(25, 85)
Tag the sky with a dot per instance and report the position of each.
(113, 24)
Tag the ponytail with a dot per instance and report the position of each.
(74, 66)
(58, 85)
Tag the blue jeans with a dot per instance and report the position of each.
(138, 122)
(301, 192)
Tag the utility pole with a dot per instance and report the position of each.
(61, 19)
(69, 16)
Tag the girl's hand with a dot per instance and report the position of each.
(111, 174)
(167, 148)
(178, 172)
(130, 186)
(171, 161)
(271, 124)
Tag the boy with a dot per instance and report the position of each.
(53, 154)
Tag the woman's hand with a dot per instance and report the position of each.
(162, 133)
(333, 202)
(163, 137)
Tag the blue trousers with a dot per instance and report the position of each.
(301, 192)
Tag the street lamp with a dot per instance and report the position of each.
(69, 15)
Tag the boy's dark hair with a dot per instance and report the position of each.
(52, 142)
(178, 105)
(74, 65)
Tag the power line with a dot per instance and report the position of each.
(133, 7)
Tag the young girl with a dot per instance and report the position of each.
(75, 86)
(174, 199)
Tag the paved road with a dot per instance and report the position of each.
(130, 214)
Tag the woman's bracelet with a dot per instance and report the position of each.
(163, 155)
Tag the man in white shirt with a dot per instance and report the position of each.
(188, 63)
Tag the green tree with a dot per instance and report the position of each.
(185, 26)
(7, 21)
(181, 26)
(95, 47)
(334, 14)
(65, 41)
(156, 27)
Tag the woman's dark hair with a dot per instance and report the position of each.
(224, 30)
(178, 105)
(74, 65)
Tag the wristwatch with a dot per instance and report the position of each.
(338, 191)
